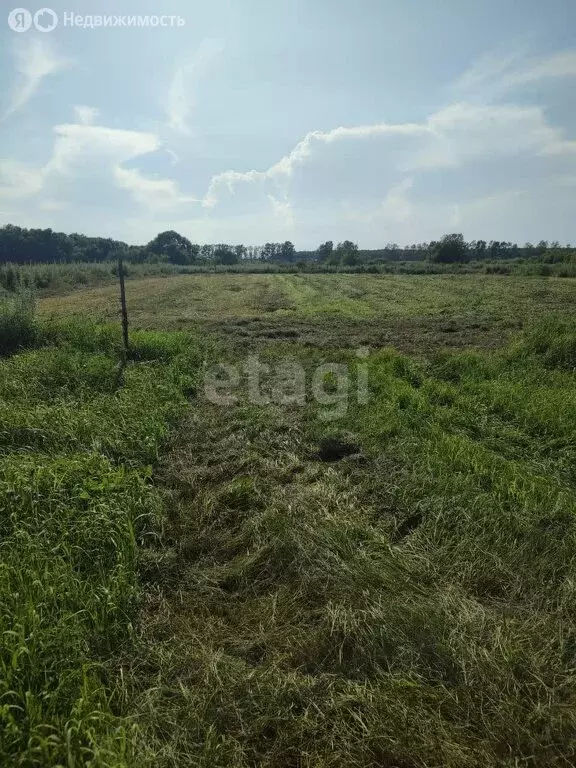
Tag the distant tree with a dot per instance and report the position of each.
(240, 251)
(176, 248)
(347, 253)
(451, 248)
(495, 249)
(254, 251)
(225, 254)
(479, 251)
(287, 251)
(206, 252)
(325, 251)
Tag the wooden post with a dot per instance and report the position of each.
(124, 357)
(123, 305)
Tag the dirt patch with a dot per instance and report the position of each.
(420, 335)
(336, 447)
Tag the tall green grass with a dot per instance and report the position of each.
(18, 328)
(49, 279)
(76, 504)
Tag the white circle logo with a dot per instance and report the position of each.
(20, 20)
(45, 20)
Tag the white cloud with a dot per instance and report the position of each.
(561, 64)
(182, 90)
(281, 171)
(86, 115)
(227, 181)
(18, 180)
(154, 194)
(463, 131)
(372, 177)
(78, 144)
(449, 138)
(283, 211)
(304, 149)
(395, 209)
(489, 67)
(83, 152)
(493, 75)
(35, 59)
(396, 206)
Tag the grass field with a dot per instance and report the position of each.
(408, 312)
(379, 573)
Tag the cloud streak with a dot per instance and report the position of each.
(181, 97)
(153, 194)
(494, 75)
(35, 59)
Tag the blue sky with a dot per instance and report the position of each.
(309, 120)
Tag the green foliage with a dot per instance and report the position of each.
(17, 324)
(76, 502)
(288, 252)
(225, 254)
(346, 253)
(24, 246)
(35, 246)
(324, 251)
(450, 249)
(175, 248)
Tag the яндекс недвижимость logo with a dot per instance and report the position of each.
(46, 20)
(21, 20)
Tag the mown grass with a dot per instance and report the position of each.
(58, 278)
(409, 605)
(413, 313)
(391, 588)
(76, 503)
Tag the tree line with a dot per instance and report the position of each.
(23, 246)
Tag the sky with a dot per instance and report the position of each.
(307, 120)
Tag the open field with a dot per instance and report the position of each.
(408, 312)
(382, 574)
